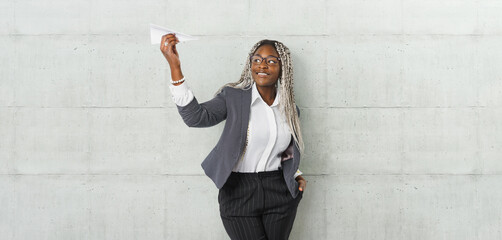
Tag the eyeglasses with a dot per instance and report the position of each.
(270, 60)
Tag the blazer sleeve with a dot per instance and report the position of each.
(298, 172)
(205, 114)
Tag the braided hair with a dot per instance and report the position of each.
(287, 104)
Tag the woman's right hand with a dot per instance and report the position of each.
(169, 51)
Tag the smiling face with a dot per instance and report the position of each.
(266, 73)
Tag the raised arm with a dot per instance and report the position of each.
(193, 114)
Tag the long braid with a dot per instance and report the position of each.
(287, 94)
(287, 104)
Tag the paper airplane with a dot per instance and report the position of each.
(156, 33)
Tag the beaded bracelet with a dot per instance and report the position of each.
(181, 80)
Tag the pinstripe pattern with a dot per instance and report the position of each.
(257, 206)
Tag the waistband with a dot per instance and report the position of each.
(259, 174)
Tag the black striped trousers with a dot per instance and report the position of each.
(257, 206)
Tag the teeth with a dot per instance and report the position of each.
(262, 74)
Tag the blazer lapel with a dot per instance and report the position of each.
(245, 111)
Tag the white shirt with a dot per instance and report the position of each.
(269, 133)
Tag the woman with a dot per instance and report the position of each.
(255, 162)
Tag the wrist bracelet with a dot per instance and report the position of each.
(181, 80)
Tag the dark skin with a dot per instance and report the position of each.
(266, 84)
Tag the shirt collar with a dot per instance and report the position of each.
(256, 95)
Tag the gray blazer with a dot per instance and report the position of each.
(233, 105)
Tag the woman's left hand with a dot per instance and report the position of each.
(302, 183)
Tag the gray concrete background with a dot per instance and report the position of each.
(401, 107)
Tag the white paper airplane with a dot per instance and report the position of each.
(156, 33)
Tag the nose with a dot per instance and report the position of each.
(263, 64)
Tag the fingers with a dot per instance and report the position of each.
(169, 36)
(171, 40)
(168, 48)
(302, 185)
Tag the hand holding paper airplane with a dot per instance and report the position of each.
(156, 33)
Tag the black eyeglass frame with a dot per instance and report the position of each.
(263, 59)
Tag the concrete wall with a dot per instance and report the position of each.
(401, 106)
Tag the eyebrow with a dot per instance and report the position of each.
(266, 56)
